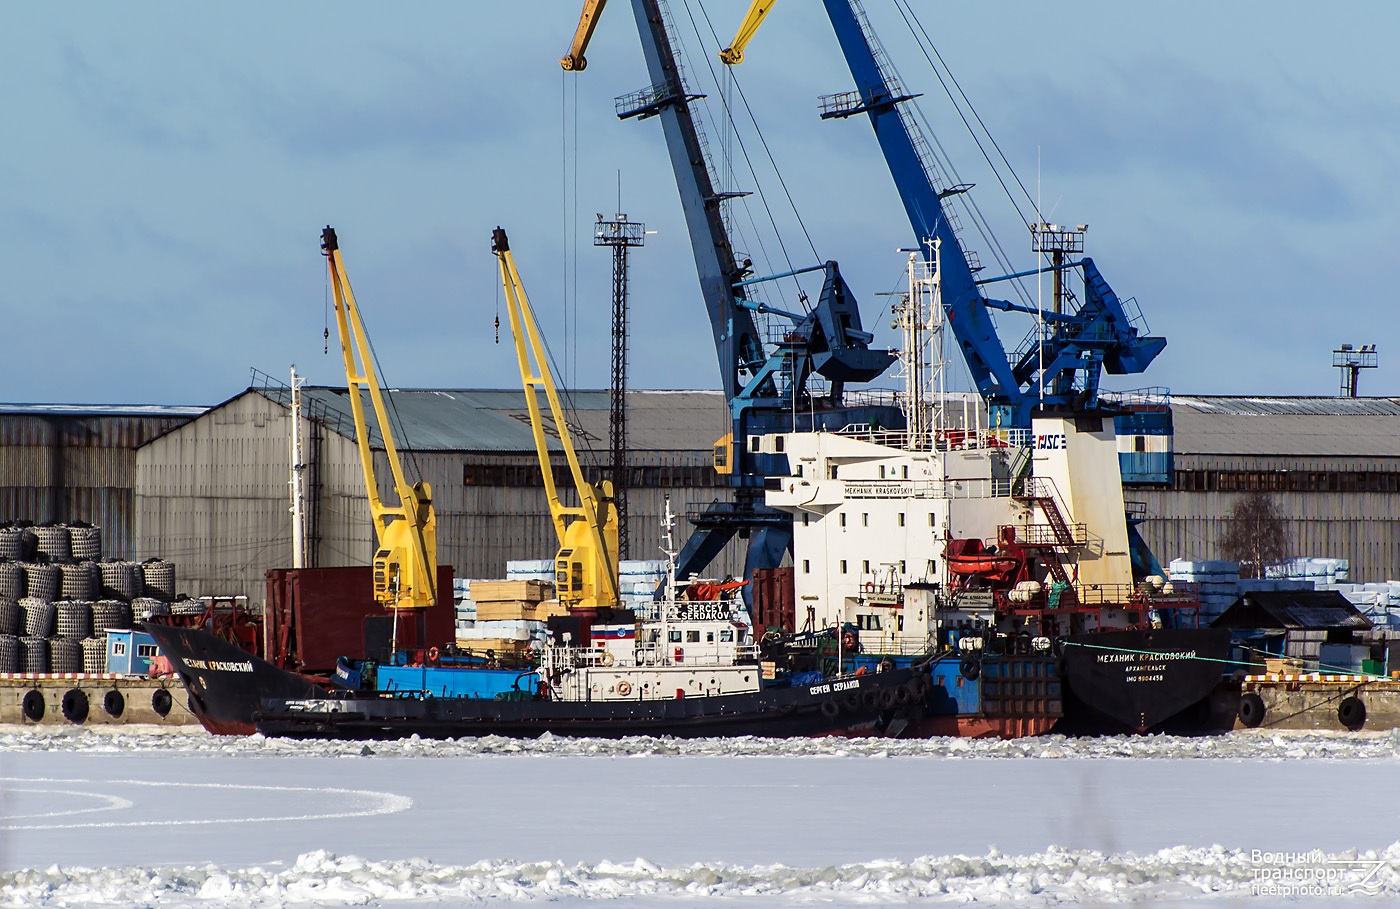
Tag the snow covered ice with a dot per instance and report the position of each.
(145, 816)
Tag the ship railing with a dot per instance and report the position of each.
(947, 439)
(1174, 595)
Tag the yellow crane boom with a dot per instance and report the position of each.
(405, 557)
(733, 55)
(585, 569)
(587, 21)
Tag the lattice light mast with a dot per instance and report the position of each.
(1351, 360)
(620, 234)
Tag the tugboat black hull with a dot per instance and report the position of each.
(235, 693)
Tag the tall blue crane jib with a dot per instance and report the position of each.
(1061, 369)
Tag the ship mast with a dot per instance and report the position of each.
(298, 487)
(920, 316)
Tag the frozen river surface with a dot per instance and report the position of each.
(159, 818)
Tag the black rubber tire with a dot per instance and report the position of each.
(885, 665)
(889, 697)
(1252, 710)
(904, 694)
(161, 702)
(870, 699)
(830, 709)
(33, 705)
(850, 701)
(114, 704)
(1351, 713)
(970, 669)
(75, 705)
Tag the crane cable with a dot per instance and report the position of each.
(743, 148)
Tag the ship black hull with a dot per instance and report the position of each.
(235, 693)
(1173, 681)
(879, 704)
(226, 684)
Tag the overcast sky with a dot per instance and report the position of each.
(166, 169)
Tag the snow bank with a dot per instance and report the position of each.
(1051, 878)
(1244, 745)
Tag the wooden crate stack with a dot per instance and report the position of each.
(514, 602)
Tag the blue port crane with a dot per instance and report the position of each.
(767, 383)
(1058, 368)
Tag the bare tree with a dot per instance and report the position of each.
(1256, 534)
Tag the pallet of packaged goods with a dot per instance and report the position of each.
(498, 591)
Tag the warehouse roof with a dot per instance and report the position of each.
(477, 419)
(1313, 426)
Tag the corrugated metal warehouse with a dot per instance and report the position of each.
(73, 462)
(208, 488)
(213, 494)
(1333, 464)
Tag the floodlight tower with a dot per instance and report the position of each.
(621, 234)
(1351, 361)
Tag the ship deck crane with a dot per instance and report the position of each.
(586, 567)
(765, 385)
(405, 555)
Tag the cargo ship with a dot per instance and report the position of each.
(1000, 561)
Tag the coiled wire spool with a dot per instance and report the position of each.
(34, 653)
(86, 541)
(80, 580)
(65, 655)
(11, 543)
(74, 619)
(28, 543)
(159, 576)
(11, 616)
(39, 617)
(42, 580)
(54, 542)
(121, 579)
(14, 583)
(142, 608)
(186, 606)
(109, 614)
(9, 653)
(95, 654)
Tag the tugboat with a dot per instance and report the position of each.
(694, 671)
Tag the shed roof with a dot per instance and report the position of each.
(476, 419)
(1292, 609)
(1313, 426)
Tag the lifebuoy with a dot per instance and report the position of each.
(869, 586)
(432, 654)
(624, 688)
(607, 658)
(33, 705)
(969, 669)
(1351, 713)
(161, 701)
(114, 703)
(1251, 710)
(848, 641)
(74, 705)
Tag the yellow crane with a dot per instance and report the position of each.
(585, 569)
(758, 11)
(405, 557)
(587, 21)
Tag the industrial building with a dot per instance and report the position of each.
(208, 488)
(213, 495)
(1331, 463)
